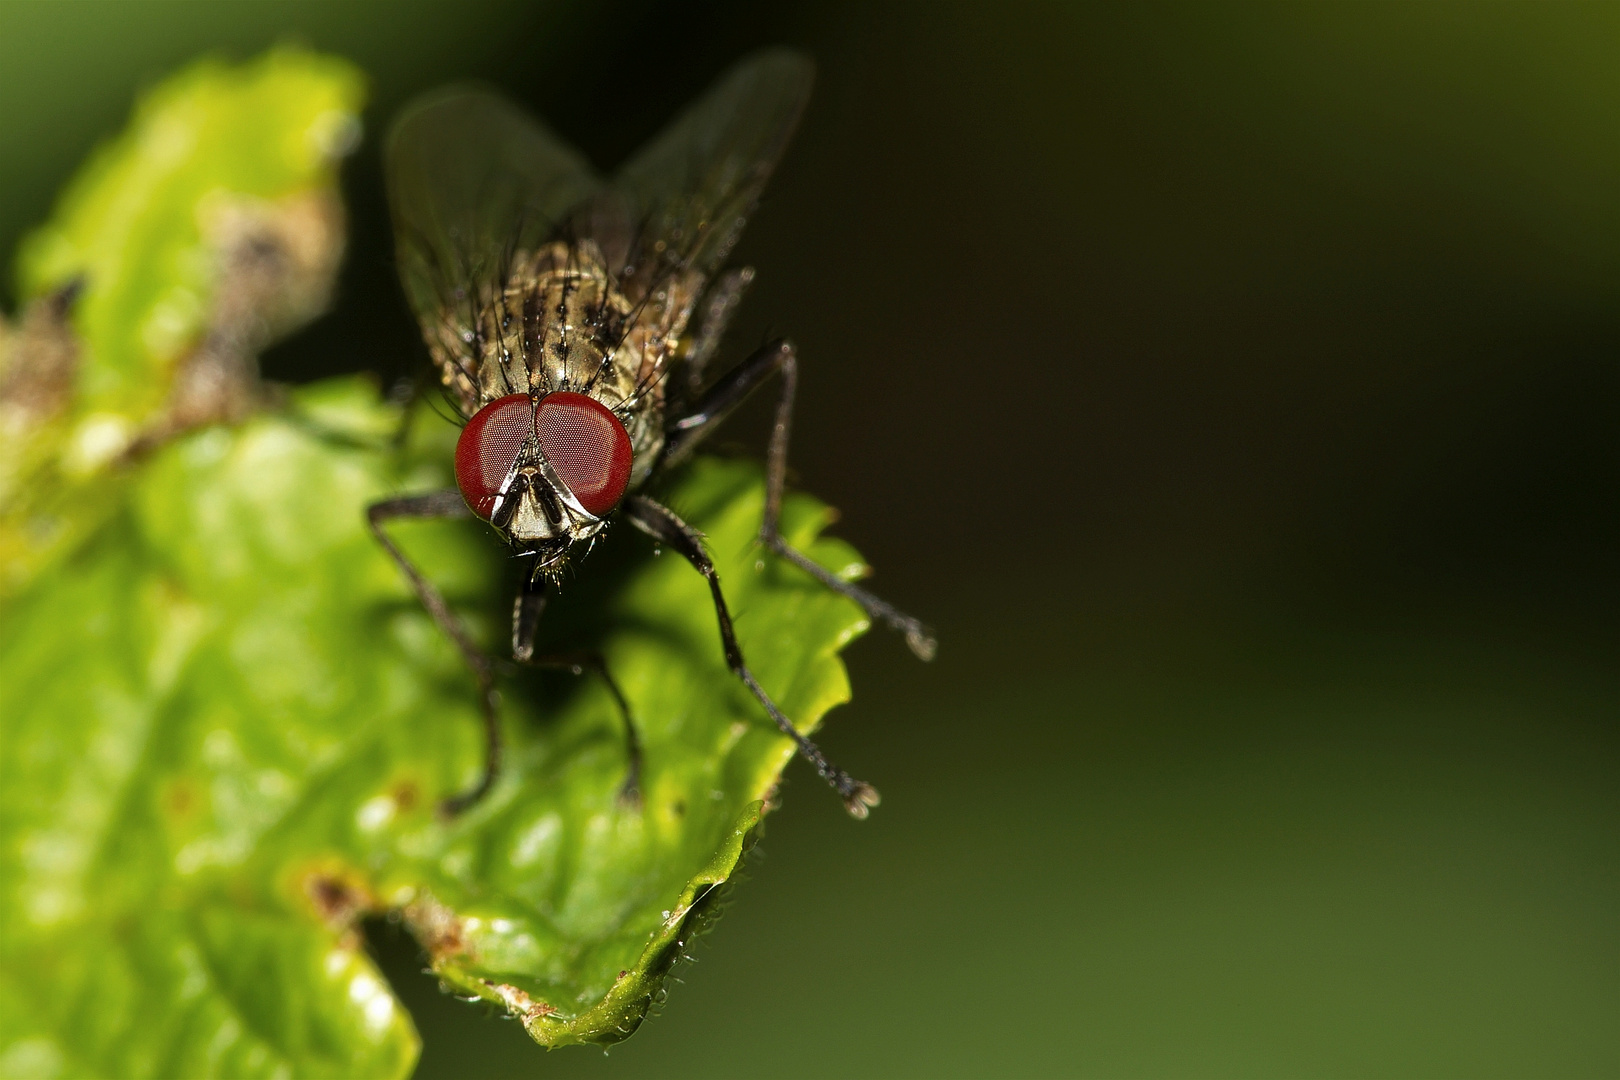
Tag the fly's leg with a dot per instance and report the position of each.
(721, 305)
(727, 394)
(446, 504)
(661, 524)
(526, 611)
(918, 637)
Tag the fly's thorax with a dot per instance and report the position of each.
(561, 323)
(562, 375)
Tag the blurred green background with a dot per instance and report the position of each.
(1235, 388)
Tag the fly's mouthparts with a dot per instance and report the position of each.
(549, 559)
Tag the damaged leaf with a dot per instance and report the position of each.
(211, 227)
(228, 723)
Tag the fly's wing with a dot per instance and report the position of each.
(680, 204)
(472, 180)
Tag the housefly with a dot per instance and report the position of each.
(571, 322)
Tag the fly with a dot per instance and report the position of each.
(558, 310)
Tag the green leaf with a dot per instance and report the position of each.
(227, 725)
(158, 232)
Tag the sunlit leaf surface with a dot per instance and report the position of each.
(227, 726)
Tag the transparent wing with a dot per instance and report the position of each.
(471, 180)
(681, 203)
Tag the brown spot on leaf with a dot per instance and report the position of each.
(275, 264)
(339, 899)
(181, 798)
(38, 362)
(406, 794)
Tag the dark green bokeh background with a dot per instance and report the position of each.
(1235, 387)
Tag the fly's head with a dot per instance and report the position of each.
(545, 471)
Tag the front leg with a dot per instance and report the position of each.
(726, 395)
(526, 611)
(662, 524)
(446, 504)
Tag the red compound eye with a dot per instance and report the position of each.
(587, 446)
(488, 446)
